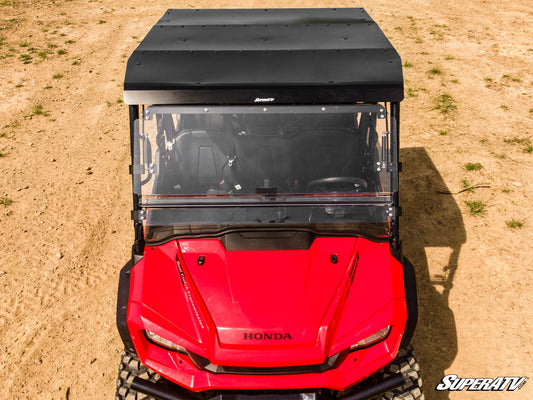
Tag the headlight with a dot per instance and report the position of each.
(167, 344)
(372, 339)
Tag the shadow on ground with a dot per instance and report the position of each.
(431, 228)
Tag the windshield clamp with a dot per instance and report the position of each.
(143, 169)
(394, 212)
(138, 215)
(151, 168)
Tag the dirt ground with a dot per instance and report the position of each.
(65, 228)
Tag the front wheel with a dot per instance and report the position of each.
(129, 368)
(406, 363)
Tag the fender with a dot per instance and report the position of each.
(409, 280)
(122, 306)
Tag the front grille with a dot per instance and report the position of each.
(330, 363)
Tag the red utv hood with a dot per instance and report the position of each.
(282, 307)
(267, 298)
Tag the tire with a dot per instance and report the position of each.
(129, 368)
(406, 363)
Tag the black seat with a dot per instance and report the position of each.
(197, 163)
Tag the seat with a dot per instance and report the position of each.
(197, 163)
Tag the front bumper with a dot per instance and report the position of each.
(360, 393)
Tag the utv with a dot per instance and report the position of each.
(266, 261)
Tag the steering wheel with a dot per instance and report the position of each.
(337, 184)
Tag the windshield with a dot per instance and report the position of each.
(203, 168)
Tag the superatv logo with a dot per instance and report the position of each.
(508, 383)
(267, 336)
(264, 99)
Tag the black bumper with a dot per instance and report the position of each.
(365, 392)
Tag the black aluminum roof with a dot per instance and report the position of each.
(294, 56)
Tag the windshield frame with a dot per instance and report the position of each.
(229, 200)
(379, 229)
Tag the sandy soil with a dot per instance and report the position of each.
(65, 191)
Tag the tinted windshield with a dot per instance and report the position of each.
(306, 164)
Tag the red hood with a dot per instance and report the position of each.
(298, 301)
(254, 295)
